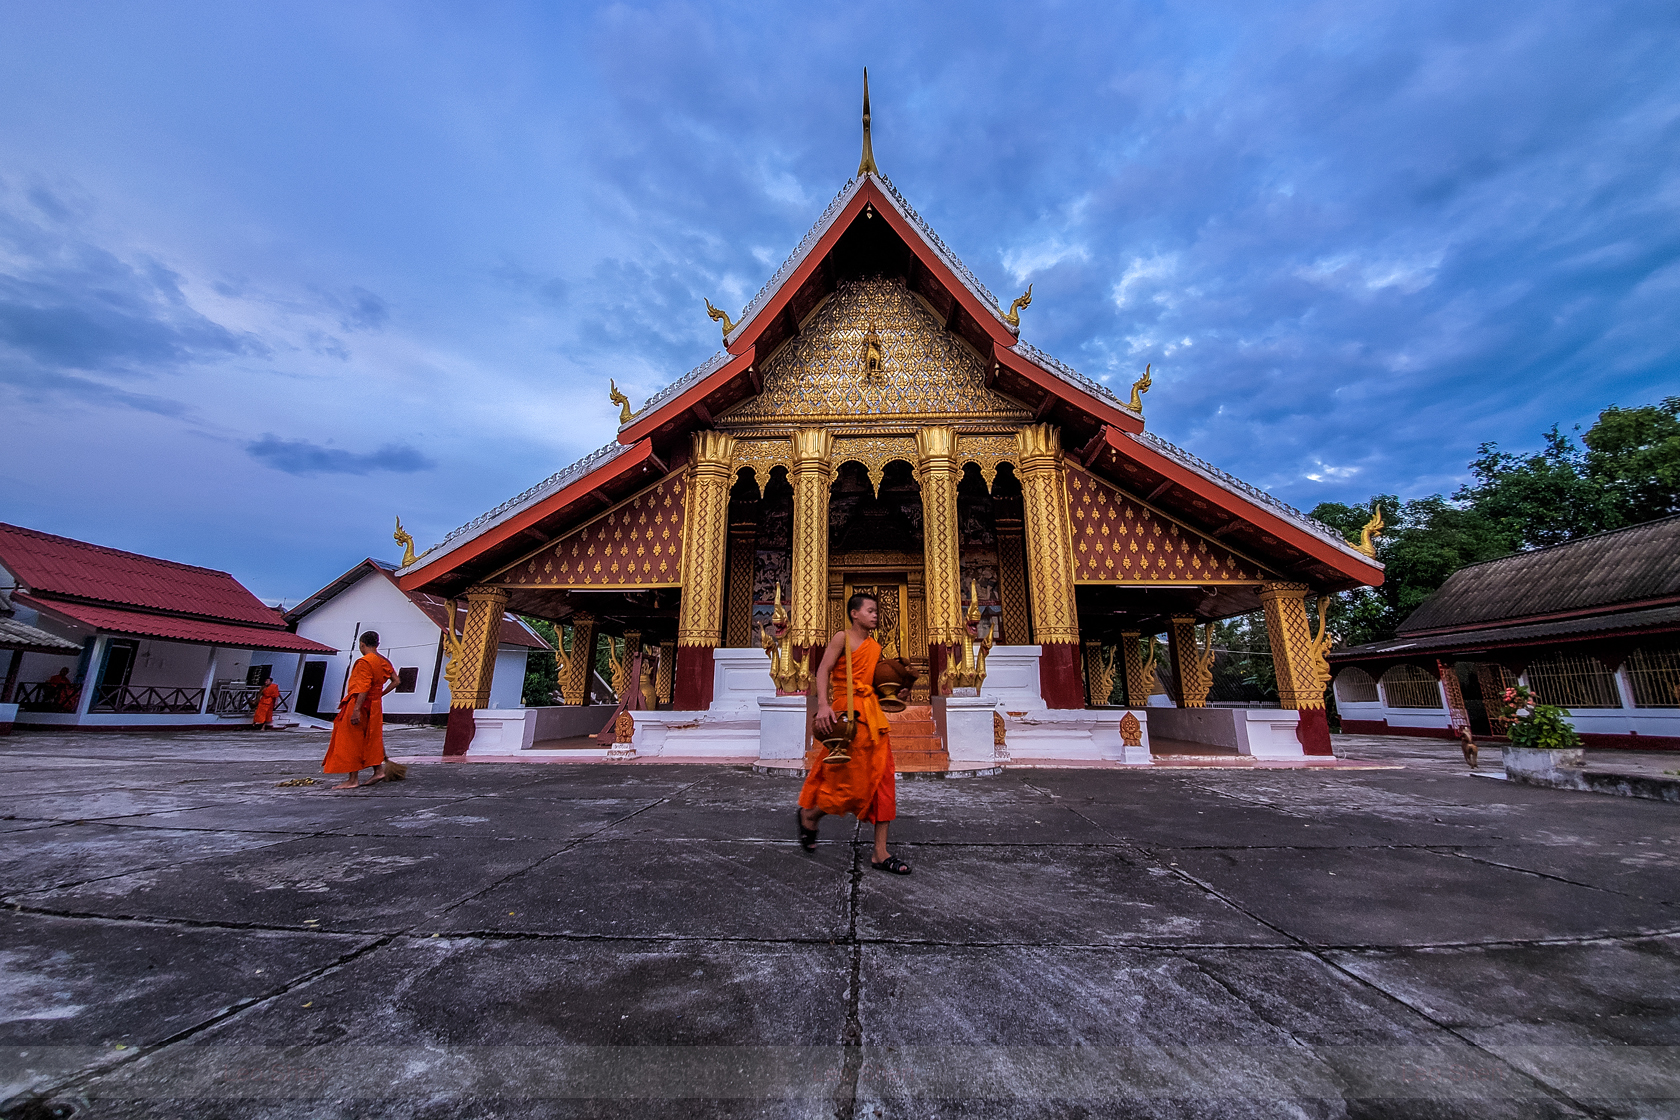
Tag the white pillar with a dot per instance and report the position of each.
(209, 682)
(91, 679)
(297, 683)
(1624, 689)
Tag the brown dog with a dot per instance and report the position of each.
(1468, 743)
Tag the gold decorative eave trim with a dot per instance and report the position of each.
(1181, 583)
(582, 588)
(578, 528)
(1200, 534)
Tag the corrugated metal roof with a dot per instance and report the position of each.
(1633, 565)
(32, 639)
(1533, 633)
(56, 566)
(173, 629)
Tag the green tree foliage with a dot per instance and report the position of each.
(1624, 470)
(542, 678)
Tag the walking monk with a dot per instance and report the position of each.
(864, 786)
(263, 715)
(358, 735)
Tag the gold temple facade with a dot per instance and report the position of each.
(875, 422)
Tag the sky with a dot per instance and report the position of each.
(274, 274)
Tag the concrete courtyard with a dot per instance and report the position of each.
(183, 936)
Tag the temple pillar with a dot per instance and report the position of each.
(1093, 672)
(705, 541)
(811, 477)
(1055, 616)
(1190, 670)
(937, 472)
(743, 551)
(574, 685)
(1138, 685)
(1300, 668)
(667, 670)
(472, 664)
(1012, 577)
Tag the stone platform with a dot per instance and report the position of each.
(184, 935)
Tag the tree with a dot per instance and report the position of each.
(1633, 454)
(542, 677)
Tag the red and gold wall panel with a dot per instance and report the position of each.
(636, 544)
(1117, 539)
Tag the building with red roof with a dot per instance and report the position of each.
(159, 643)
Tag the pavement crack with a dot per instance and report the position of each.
(845, 1097)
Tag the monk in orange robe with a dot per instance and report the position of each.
(358, 735)
(865, 786)
(263, 715)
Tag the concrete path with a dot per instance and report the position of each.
(185, 937)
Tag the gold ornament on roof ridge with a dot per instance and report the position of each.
(718, 314)
(401, 537)
(1139, 388)
(866, 163)
(1022, 300)
(1371, 531)
(622, 401)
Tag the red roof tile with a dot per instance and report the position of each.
(59, 566)
(171, 628)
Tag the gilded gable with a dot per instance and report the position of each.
(1118, 539)
(873, 352)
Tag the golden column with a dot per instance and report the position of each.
(1192, 667)
(472, 662)
(705, 544)
(667, 670)
(1139, 673)
(743, 552)
(574, 689)
(811, 476)
(1093, 672)
(1055, 616)
(938, 473)
(1297, 660)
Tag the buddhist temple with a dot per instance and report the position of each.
(875, 419)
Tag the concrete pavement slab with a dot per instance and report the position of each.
(458, 1027)
(1127, 1032)
(72, 853)
(77, 995)
(505, 818)
(972, 895)
(344, 884)
(634, 888)
(1412, 897)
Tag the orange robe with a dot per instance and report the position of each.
(357, 746)
(270, 696)
(865, 786)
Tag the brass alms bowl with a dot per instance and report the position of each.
(888, 694)
(839, 742)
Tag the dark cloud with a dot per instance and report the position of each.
(300, 457)
(68, 304)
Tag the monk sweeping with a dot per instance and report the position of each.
(358, 735)
(863, 786)
(263, 715)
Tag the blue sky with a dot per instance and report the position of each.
(271, 275)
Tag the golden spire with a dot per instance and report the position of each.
(867, 163)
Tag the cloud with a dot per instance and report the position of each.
(300, 457)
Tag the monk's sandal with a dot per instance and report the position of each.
(892, 864)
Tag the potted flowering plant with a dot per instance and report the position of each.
(1544, 750)
(1536, 725)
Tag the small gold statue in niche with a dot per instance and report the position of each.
(873, 356)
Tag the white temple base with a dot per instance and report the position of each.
(1089, 734)
(1258, 732)
(782, 727)
(711, 734)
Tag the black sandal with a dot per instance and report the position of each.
(893, 864)
(807, 836)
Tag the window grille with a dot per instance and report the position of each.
(1355, 686)
(1493, 680)
(1407, 686)
(1573, 682)
(1655, 677)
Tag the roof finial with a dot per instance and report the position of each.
(867, 163)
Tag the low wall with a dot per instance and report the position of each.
(1257, 732)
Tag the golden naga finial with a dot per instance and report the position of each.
(401, 537)
(1102, 676)
(1139, 388)
(717, 313)
(866, 164)
(792, 675)
(1014, 316)
(968, 668)
(1319, 645)
(1372, 530)
(622, 401)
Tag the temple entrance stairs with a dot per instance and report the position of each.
(916, 745)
